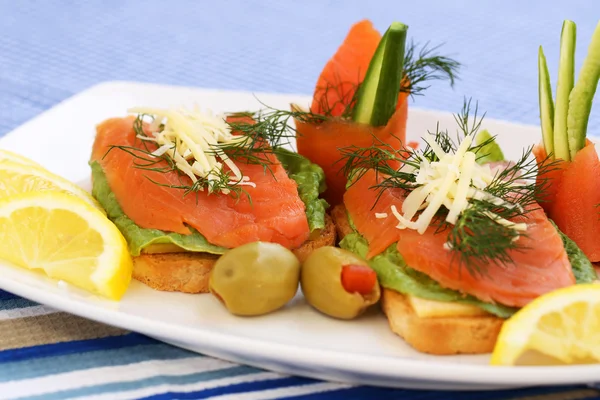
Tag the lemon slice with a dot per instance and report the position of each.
(561, 327)
(17, 158)
(17, 178)
(66, 238)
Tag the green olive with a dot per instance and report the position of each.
(321, 281)
(256, 278)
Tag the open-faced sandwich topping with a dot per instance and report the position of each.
(195, 141)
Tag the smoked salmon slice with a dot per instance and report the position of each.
(322, 144)
(361, 201)
(345, 70)
(573, 198)
(544, 265)
(275, 213)
(550, 180)
(334, 93)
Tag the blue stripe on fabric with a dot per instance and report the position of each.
(16, 302)
(36, 367)
(232, 389)
(118, 387)
(368, 392)
(6, 295)
(74, 347)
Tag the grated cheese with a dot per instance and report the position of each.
(450, 182)
(192, 138)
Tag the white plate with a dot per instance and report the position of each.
(294, 340)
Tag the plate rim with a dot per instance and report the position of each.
(369, 365)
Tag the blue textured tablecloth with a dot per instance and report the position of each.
(50, 50)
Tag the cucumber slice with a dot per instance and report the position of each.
(378, 94)
(566, 79)
(546, 103)
(580, 100)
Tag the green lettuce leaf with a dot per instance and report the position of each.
(582, 267)
(311, 183)
(309, 177)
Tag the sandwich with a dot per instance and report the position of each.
(184, 186)
(456, 236)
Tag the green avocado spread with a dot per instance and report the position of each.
(309, 177)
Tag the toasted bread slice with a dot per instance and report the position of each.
(189, 272)
(175, 272)
(441, 335)
(434, 335)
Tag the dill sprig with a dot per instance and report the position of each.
(476, 238)
(345, 92)
(425, 65)
(382, 158)
(264, 130)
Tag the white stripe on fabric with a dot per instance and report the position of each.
(281, 393)
(104, 375)
(136, 394)
(26, 312)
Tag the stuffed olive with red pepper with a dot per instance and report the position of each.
(339, 283)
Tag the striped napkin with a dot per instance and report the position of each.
(47, 354)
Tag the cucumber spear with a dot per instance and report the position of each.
(566, 80)
(546, 104)
(378, 94)
(580, 100)
(564, 127)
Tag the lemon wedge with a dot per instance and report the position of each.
(67, 239)
(17, 178)
(561, 327)
(17, 158)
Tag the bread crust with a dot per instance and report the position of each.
(439, 335)
(189, 272)
(340, 219)
(175, 272)
(327, 237)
